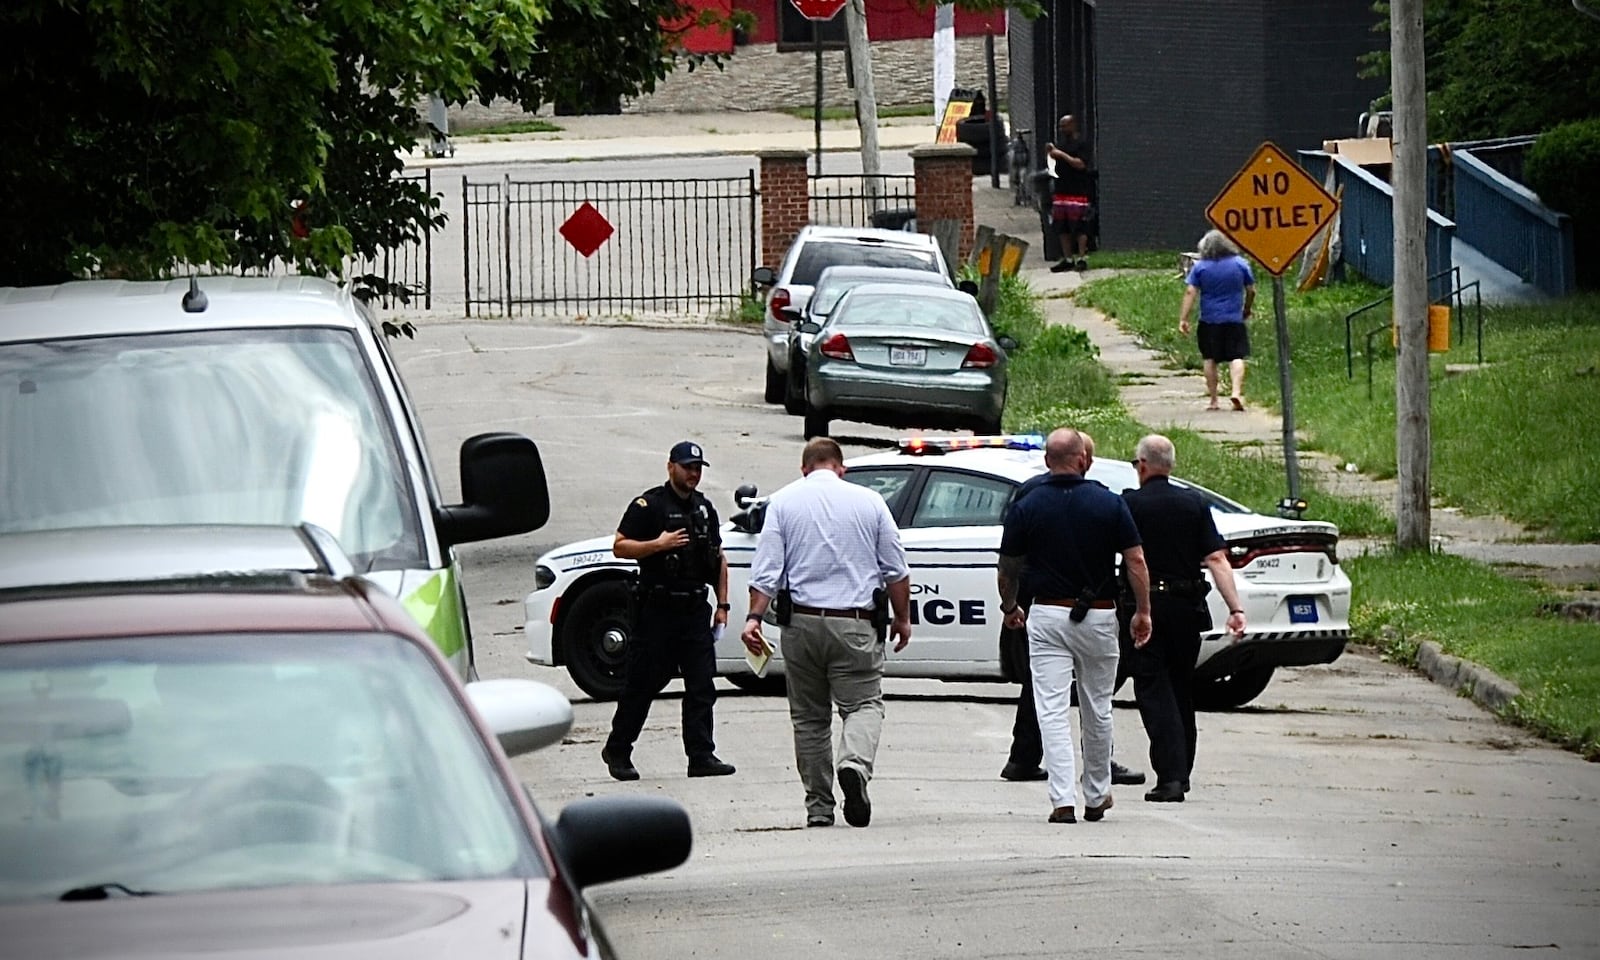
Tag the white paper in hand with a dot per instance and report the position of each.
(717, 630)
(759, 661)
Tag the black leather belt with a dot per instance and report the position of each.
(1097, 605)
(1175, 586)
(672, 593)
(825, 612)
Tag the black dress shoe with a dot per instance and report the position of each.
(1122, 775)
(1017, 773)
(620, 767)
(1185, 786)
(857, 806)
(710, 767)
(1169, 792)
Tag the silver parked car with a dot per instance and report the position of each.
(831, 285)
(908, 356)
(815, 249)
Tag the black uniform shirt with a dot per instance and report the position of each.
(1070, 531)
(1178, 529)
(660, 509)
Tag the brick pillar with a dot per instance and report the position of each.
(785, 201)
(944, 190)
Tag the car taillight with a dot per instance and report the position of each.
(777, 303)
(837, 346)
(1241, 555)
(981, 355)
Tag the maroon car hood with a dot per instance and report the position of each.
(480, 919)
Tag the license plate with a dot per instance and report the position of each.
(1302, 610)
(908, 356)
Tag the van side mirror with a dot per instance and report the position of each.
(503, 491)
(968, 287)
(763, 277)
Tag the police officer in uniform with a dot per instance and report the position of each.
(672, 531)
(1180, 537)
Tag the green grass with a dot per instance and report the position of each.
(1135, 260)
(1057, 380)
(848, 112)
(1516, 438)
(509, 127)
(746, 312)
(1493, 620)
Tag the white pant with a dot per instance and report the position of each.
(1058, 648)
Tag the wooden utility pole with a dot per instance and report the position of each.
(1413, 445)
(855, 25)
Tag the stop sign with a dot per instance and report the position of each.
(818, 9)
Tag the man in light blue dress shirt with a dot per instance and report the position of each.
(831, 544)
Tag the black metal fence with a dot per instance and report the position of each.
(858, 200)
(640, 246)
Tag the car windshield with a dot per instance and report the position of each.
(183, 764)
(259, 426)
(831, 287)
(860, 309)
(818, 255)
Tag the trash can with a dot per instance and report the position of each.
(1044, 189)
(898, 218)
(977, 132)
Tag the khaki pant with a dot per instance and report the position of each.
(828, 662)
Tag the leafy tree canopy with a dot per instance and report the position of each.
(1498, 68)
(232, 133)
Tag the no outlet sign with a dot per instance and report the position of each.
(1272, 209)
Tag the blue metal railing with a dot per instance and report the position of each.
(1506, 222)
(1366, 229)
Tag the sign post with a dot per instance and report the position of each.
(1271, 209)
(818, 12)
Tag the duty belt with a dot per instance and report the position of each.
(1177, 586)
(675, 593)
(848, 614)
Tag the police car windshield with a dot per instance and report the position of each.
(222, 762)
(818, 255)
(257, 426)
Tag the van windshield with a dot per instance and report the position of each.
(252, 426)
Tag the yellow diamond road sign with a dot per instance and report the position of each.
(1272, 208)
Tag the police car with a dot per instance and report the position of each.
(949, 496)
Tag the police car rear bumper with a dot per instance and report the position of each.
(1269, 649)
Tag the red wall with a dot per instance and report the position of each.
(886, 20)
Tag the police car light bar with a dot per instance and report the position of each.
(920, 446)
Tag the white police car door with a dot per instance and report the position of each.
(952, 536)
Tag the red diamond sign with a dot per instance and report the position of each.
(587, 229)
(818, 9)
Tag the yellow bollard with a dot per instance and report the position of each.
(1438, 329)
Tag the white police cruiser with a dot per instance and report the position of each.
(949, 496)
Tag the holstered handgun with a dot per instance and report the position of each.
(880, 613)
(783, 607)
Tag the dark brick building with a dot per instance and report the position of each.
(1176, 95)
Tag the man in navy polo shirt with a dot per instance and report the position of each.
(1059, 546)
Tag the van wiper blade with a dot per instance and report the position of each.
(104, 891)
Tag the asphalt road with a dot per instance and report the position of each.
(1355, 811)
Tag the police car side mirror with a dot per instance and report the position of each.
(743, 495)
(763, 277)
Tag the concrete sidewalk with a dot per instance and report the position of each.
(646, 136)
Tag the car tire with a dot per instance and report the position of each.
(1234, 690)
(760, 686)
(595, 639)
(775, 383)
(794, 394)
(816, 422)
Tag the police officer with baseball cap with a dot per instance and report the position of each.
(673, 533)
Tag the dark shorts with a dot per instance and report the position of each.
(1224, 341)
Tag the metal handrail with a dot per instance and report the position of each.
(1459, 295)
(1349, 346)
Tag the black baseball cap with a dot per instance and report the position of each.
(687, 452)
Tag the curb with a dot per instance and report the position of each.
(1480, 683)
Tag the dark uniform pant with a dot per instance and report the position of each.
(1027, 746)
(671, 635)
(1163, 684)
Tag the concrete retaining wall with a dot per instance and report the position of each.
(758, 77)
